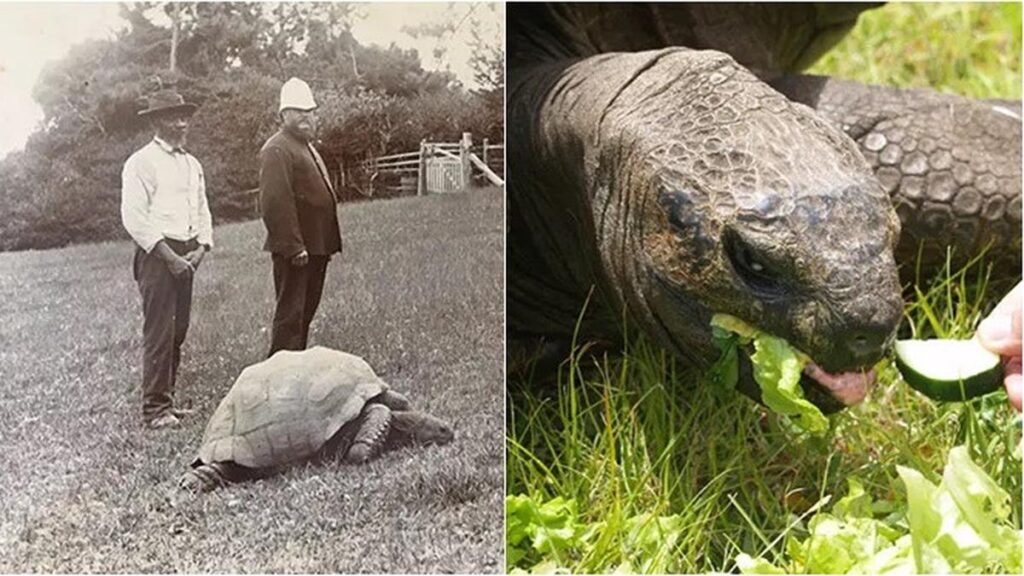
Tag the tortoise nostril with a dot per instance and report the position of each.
(865, 344)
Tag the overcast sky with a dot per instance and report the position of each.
(32, 34)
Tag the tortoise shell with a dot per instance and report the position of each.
(285, 408)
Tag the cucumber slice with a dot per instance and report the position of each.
(949, 370)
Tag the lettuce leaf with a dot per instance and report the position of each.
(962, 525)
(750, 565)
(733, 325)
(549, 528)
(777, 370)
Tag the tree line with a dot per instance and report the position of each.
(230, 59)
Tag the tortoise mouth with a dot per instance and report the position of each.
(829, 392)
(849, 387)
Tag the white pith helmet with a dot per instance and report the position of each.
(296, 94)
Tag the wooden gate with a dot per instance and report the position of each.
(438, 168)
(443, 174)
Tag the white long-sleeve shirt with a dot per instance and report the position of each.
(163, 195)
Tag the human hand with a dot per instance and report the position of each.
(300, 259)
(195, 257)
(1000, 332)
(179, 267)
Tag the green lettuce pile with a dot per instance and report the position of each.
(960, 526)
(543, 537)
(777, 370)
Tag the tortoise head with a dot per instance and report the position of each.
(420, 428)
(744, 203)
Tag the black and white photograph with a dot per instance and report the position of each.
(251, 267)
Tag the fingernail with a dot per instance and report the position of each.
(995, 329)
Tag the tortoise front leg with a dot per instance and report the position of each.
(371, 434)
(951, 164)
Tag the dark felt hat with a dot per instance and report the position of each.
(166, 102)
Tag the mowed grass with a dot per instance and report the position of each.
(417, 293)
(626, 463)
(967, 49)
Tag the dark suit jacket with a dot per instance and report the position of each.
(296, 201)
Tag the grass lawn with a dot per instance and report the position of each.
(627, 464)
(967, 49)
(417, 293)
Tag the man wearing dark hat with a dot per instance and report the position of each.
(164, 209)
(299, 209)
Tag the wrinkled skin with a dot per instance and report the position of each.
(951, 166)
(659, 187)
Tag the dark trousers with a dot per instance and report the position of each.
(166, 309)
(298, 290)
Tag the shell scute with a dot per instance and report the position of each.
(285, 408)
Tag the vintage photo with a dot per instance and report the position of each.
(252, 273)
(764, 303)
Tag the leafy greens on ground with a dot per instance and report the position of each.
(960, 526)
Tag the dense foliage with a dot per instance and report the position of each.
(231, 59)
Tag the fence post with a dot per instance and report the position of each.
(372, 163)
(467, 166)
(421, 172)
(485, 150)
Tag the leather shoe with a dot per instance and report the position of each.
(164, 420)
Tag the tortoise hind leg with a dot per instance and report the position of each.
(207, 477)
(371, 435)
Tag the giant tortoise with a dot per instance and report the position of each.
(295, 406)
(667, 163)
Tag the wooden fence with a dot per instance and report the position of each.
(436, 168)
(494, 156)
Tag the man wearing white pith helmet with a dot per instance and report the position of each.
(299, 209)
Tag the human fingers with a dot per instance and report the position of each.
(1013, 385)
(1000, 332)
(182, 270)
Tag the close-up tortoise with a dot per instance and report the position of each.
(669, 163)
(296, 406)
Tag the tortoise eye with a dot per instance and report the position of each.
(755, 271)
